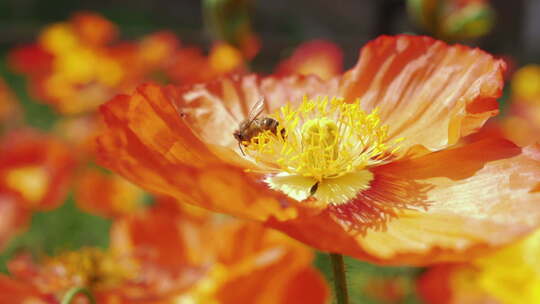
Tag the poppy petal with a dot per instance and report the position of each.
(479, 197)
(148, 143)
(427, 92)
(215, 110)
(13, 291)
(14, 217)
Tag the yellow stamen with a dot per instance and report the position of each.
(93, 268)
(325, 150)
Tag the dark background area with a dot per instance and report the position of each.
(281, 24)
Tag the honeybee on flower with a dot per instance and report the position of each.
(366, 165)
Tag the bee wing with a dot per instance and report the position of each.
(256, 110)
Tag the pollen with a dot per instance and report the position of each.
(323, 149)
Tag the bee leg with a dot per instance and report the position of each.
(282, 132)
(313, 189)
(241, 150)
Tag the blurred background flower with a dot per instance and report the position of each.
(165, 255)
(510, 275)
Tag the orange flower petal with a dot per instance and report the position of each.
(214, 110)
(13, 291)
(156, 49)
(30, 59)
(107, 194)
(428, 92)
(178, 142)
(307, 286)
(152, 146)
(189, 65)
(266, 267)
(14, 216)
(522, 124)
(479, 196)
(153, 236)
(93, 28)
(434, 286)
(238, 262)
(318, 57)
(36, 167)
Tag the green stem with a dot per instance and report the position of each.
(340, 279)
(70, 295)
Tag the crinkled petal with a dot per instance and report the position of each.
(428, 92)
(148, 143)
(479, 196)
(265, 267)
(238, 262)
(215, 110)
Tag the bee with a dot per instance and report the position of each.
(254, 125)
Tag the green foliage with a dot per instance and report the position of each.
(36, 115)
(65, 228)
(359, 275)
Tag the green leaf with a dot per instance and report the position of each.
(65, 228)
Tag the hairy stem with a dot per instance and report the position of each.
(340, 279)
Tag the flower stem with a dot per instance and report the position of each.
(70, 295)
(340, 279)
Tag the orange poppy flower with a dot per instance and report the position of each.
(165, 256)
(317, 57)
(71, 68)
(93, 29)
(77, 65)
(510, 275)
(190, 65)
(376, 179)
(35, 172)
(157, 50)
(35, 167)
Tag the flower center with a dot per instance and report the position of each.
(90, 267)
(323, 148)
